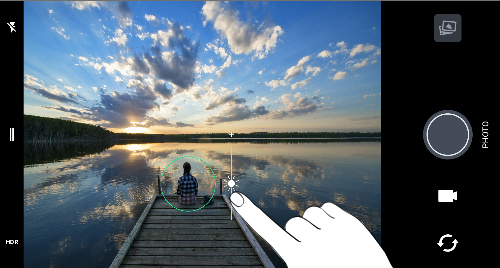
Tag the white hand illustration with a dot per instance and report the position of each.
(327, 237)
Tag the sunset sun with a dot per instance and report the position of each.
(135, 130)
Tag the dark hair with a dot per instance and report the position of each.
(187, 167)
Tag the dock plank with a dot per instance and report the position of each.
(170, 219)
(191, 251)
(201, 212)
(187, 244)
(192, 260)
(192, 224)
(168, 237)
(189, 266)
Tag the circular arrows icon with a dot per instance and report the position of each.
(440, 243)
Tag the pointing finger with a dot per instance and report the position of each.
(301, 229)
(274, 235)
(318, 217)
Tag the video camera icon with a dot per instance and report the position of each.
(448, 27)
(447, 195)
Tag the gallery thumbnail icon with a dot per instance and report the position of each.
(447, 28)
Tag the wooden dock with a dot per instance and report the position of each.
(167, 237)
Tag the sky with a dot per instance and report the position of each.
(205, 67)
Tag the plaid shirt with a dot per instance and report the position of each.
(187, 184)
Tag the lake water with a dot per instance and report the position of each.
(82, 201)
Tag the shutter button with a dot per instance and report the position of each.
(447, 134)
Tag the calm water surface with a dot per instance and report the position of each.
(81, 202)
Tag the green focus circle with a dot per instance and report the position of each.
(215, 183)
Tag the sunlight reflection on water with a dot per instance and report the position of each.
(79, 211)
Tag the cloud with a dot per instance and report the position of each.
(372, 95)
(123, 14)
(81, 5)
(142, 36)
(220, 74)
(178, 64)
(360, 65)
(314, 70)
(260, 110)
(242, 38)
(165, 38)
(223, 100)
(236, 113)
(260, 72)
(324, 54)
(276, 83)
(300, 107)
(301, 83)
(164, 122)
(149, 92)
(227, 63)
(365, 118)
(138, 64)
(70, 109)
(250, 91)
(180, 124)
(119, 109)
(343, 49)
(339, 75)
(223, 67)
(153, 121)
(51, 93)
(295, 70)
(361, 48)
(218, 50)
(284, 98)
(60, 30)
(161, 89)
(121, 10)
(120, 37)
(259, 102)
(342, 45)
(195, 93)
(208, 69)
(122, 67)
(154, 21)
(96, 65)
(70, 88)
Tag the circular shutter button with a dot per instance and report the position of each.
(447, 134)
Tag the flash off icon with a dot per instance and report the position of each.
(11, 25)
(447, 195)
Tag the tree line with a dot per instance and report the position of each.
(281, 135)
(37, 129)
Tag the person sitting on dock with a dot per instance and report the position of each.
(187, 187)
